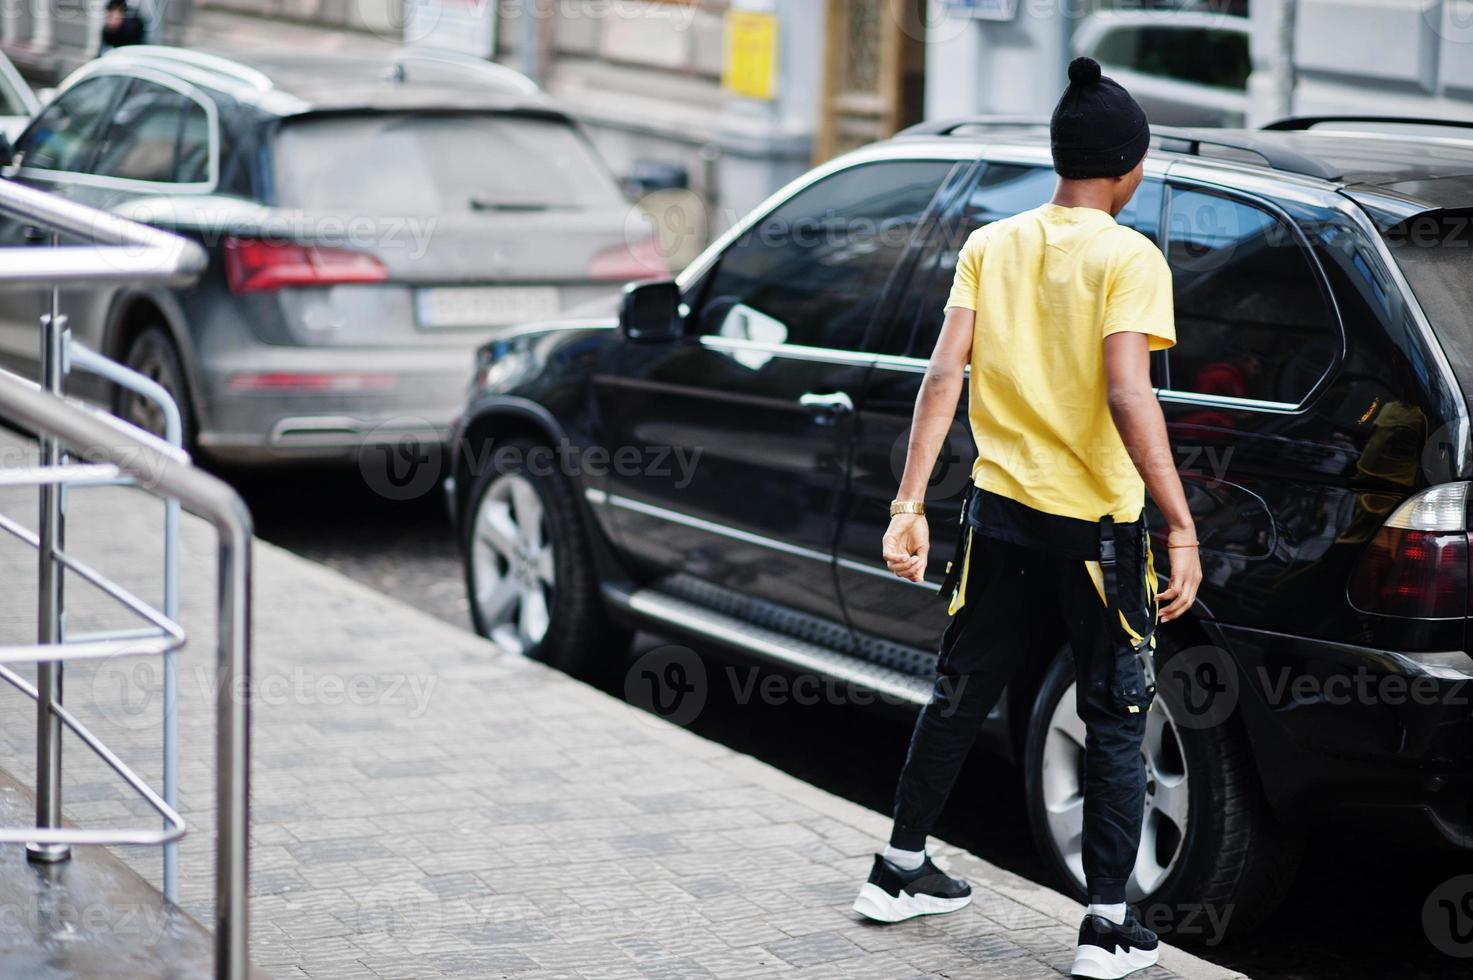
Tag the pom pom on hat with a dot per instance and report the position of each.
(1084, 71)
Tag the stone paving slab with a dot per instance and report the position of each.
(425, 805)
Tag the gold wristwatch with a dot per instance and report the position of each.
(898, 507)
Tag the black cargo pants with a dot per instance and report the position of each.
(1109, 611)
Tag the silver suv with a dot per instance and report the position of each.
(369, 224)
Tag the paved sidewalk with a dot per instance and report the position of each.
(425, 805)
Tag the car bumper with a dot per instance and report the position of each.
(300, 404)
(1359, 740)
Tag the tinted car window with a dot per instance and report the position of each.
(11, 103)
(1187, 54)
(1432, 250)
(1002, 191)
(60, 138)
(813, 271)
(144, 134)
(442, 164)
(193, 166)
(1252, 318)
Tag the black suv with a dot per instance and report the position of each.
(716, 462)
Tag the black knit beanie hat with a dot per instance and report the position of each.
(1098, 130)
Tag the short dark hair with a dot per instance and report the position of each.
(117, 5)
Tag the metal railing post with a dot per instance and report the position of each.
(49, 613)
(232, 750)
(80, 357)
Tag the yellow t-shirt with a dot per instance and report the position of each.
(1048, 286)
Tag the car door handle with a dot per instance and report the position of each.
(835, 401)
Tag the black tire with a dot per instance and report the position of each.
(1235, 861)
(153, 353)
(580, 638)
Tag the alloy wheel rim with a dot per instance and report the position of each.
(143, 412)
(1163, 827)
(512, 564)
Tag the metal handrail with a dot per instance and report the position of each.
(174, 824)
(100, 438)
(116, 250)
(77, 356)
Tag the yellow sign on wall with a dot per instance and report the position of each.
(751, 54)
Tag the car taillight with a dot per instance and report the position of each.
(1417, 564)
(293, 382)
(253, 265)
(627, 263)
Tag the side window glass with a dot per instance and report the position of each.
(194, 146)
(1003, 190)
(11, 103)
(813, 271)
(60, 138)
(142, 139)
(1203, 55)
(1252, 319)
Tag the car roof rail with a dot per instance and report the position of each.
(1299, 124)
(946, 127)
(499, 75)
(1274, 155)
(214, 64)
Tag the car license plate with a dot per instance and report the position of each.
(484, 306)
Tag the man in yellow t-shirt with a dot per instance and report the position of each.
(1056, 311)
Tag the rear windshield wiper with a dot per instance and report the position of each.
(482, 203)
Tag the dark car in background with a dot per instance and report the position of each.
(369, 223)
(715, 464)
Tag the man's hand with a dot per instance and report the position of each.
(908, 539)
(1186, 574)
(907, 543)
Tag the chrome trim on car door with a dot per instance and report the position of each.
(605, 499)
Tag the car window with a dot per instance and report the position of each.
(60, 138)
(193, 165)
(1202, 55)
(1003, 190)
(443, 164)
(145, 132)
(11, 102)
(1252, 316)
(813, 271)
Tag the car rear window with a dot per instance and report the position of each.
(397, 163)
(1435, 253)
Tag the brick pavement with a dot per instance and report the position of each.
(427, 806)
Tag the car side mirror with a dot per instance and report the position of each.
(7, 152)
(651, 311)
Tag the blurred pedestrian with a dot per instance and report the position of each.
(1056, 311)
(121, 27)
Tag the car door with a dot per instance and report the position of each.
(54, 152)
(1258, 335)
(899, 620)
(735, 437)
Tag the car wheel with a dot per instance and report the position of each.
(1212, 859)
(529, 573)
(152, 354)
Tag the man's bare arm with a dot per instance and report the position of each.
(907, 542)
(1142, 428)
